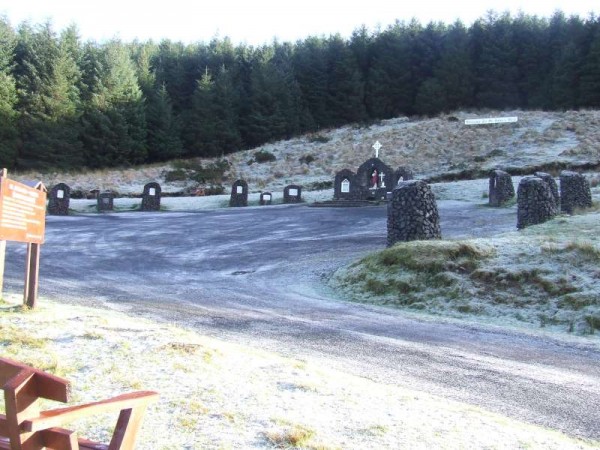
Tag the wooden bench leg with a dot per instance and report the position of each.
(126, 429)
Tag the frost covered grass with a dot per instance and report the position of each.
(546, 275)
(217, 395)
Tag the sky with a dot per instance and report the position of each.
(258, 22)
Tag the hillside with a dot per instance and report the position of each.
(436, 149)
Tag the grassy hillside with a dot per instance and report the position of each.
(437, 148)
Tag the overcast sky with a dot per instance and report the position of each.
(257, 22)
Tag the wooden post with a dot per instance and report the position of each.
(3, 174)
(32, 274)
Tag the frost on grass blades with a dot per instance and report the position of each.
(545, 276)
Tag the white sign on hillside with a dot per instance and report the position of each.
(491, 120)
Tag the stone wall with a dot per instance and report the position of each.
(535, 202)
(501, 188)
(59, 199)
(239, 194)
(575, 191)
(412, 213)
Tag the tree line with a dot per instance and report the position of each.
(68, 104)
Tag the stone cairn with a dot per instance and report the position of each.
(501, 188)
(412, 213)
(151, 197)
(106, 201)
(58, 200)
(239, 194)
(575, 191)
(266, 198)
(549, 179)
(535, 202)
(292, 194)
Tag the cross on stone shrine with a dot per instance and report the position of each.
(377, 146)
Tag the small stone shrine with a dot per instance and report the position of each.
(553, 186)
(501, 188)
(266, 198)
(535, 202)
(151, 197)
(292, 194)
(575, 192)
(239, 194)
(59, 198)
(412, 213)
(372, 181)
(106, 201)
(344, 186)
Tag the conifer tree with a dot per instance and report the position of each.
(114, 122)
(47, 79)
(8, 97)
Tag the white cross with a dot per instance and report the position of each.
(377, 146)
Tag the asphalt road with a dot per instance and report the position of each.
(254, 275)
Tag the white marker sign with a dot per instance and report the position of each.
(491, 120)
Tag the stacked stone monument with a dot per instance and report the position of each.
(266, 198)
(292, 194)
(151, 197)
(106, 201)
(239, 194)
(575, 191)
(59, 198)
(412, 213)
(501, 188)
(549, 179)
(535, 202)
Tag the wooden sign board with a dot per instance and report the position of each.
(22, 212)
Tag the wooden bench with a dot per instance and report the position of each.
(25, 427)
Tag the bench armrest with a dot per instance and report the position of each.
(56, 417)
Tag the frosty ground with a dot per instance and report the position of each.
(243, 388)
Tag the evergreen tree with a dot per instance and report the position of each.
(8, 97)
(114, 122)
(454, 71)
(47, 79)
(164, 129)
(589, 89)
(390, 90)
(495, 62)
(214, 119)
(310, 68)
(345, 85)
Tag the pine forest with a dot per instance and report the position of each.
(67, 104)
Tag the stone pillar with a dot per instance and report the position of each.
(106, 201)
(549, 179)
(535, 202)
(412, 213)
(575, 192)
(501, 188)
(59, 198)
(292, 194)
(239, 194)
(151, 197)
(266, 198)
